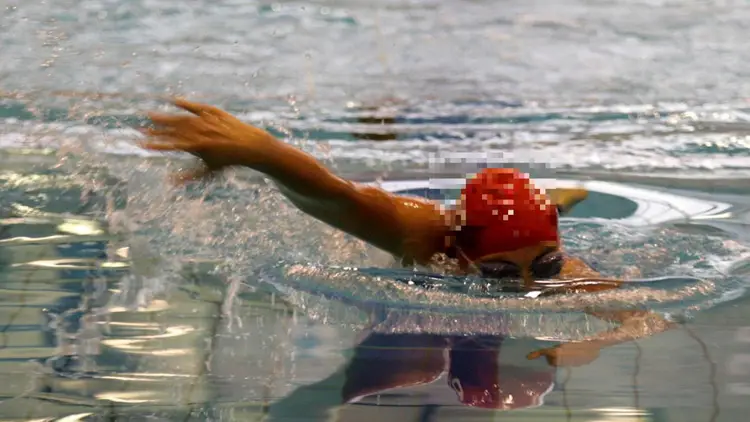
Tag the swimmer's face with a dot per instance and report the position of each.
(540, 261)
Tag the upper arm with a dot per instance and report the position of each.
(407, 227)
(403, 226)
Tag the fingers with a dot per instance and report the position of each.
(163, 140)
(169, 138)
(159, 133)
(206, 121)
(161, 119)
(197, 108)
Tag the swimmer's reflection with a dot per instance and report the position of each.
(467, 370)
(398, 363)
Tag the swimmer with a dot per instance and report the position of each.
(501, 228)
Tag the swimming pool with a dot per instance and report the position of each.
(123, 298)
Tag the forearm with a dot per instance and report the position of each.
(363, 211)
(296, 171)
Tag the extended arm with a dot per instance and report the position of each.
(405, 227)
(408, 228)
(412, 229)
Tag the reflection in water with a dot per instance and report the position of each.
(437, 373)
(469, 366)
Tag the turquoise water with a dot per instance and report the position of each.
(124, 298)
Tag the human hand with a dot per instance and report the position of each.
(216, 137)
(568, 354)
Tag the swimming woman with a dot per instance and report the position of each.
(501, 228)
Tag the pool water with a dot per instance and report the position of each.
(126, 298)
(102, 323)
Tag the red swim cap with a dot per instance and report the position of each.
(501, 211)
